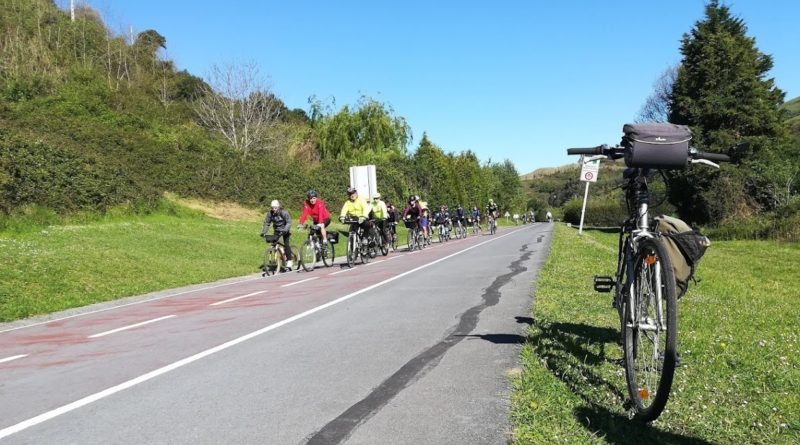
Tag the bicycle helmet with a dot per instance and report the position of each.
(351, 190)
(275, 204)
(311, 194)
(412, 199)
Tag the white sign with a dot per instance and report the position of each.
(362, 177)
(589, 171)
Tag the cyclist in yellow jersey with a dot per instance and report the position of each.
(356, 207)
(379, 214)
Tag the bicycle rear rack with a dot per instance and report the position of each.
(604, 283)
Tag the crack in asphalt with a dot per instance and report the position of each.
(343, 426)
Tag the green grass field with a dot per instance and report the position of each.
(739, 336)
(66, 266)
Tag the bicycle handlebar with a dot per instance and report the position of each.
(713, 157)
(587, 150)
(618, 152)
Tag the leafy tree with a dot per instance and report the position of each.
(722, 91)
(371, 129)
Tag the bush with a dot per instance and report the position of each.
(60, 180)
(771, 226)
(600, 211)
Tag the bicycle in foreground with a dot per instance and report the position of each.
(476, 225)
(359, 243)
(314, 249)
(459, 229)
(414, 237)
(275, 257)
(491, 223)
(644, 286)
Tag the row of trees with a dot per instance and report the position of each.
(91, 120)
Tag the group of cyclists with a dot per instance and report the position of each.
(376, 215)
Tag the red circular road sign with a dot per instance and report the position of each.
(588, 176)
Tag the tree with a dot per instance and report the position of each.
(238, 105)
(371, 129)
(722, 91)
(721, 87)
(656, 107)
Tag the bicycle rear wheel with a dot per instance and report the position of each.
(308, 256)
(651, 331)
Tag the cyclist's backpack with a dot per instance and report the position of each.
(685, 247)
(656, 145)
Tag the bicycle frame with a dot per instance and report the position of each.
(632, 231)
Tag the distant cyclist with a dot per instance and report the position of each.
(492, 209)
(476, 217)
(282, 222)
(460, 215)
(414, 211)
(314, 207)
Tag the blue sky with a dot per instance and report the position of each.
(521, 80)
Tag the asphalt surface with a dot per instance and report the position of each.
(408, 349)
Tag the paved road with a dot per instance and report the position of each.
(411, 348)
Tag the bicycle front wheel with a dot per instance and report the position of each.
(308, 256)
(328, 254)
(411, 239)
(651, 330)
(352, 249)
(270, 263)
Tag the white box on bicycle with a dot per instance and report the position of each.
(656, 145)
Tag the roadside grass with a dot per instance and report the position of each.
(65, 266)
(738, 333)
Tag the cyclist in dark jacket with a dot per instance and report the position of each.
(282, 222)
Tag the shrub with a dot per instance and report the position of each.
(600, 211)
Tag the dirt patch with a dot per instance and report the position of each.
(229, 211)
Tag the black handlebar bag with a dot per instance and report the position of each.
(656, 145)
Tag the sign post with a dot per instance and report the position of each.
(589, 171)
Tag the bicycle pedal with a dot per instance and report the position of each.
(604, 283)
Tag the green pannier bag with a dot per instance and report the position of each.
(685, 247)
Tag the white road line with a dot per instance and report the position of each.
(131, 304)
(13, 357)
(298, 282)
(236, 298)
(125, 328)
(5, 432)
(394, 257)
(342, 271)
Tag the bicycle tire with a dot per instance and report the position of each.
(384, 244)
(328, 254)
(269, 267)
(308, 256)
(352, 249)
(650, 358)
(411, 240)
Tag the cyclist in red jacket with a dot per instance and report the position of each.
(320, 216)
